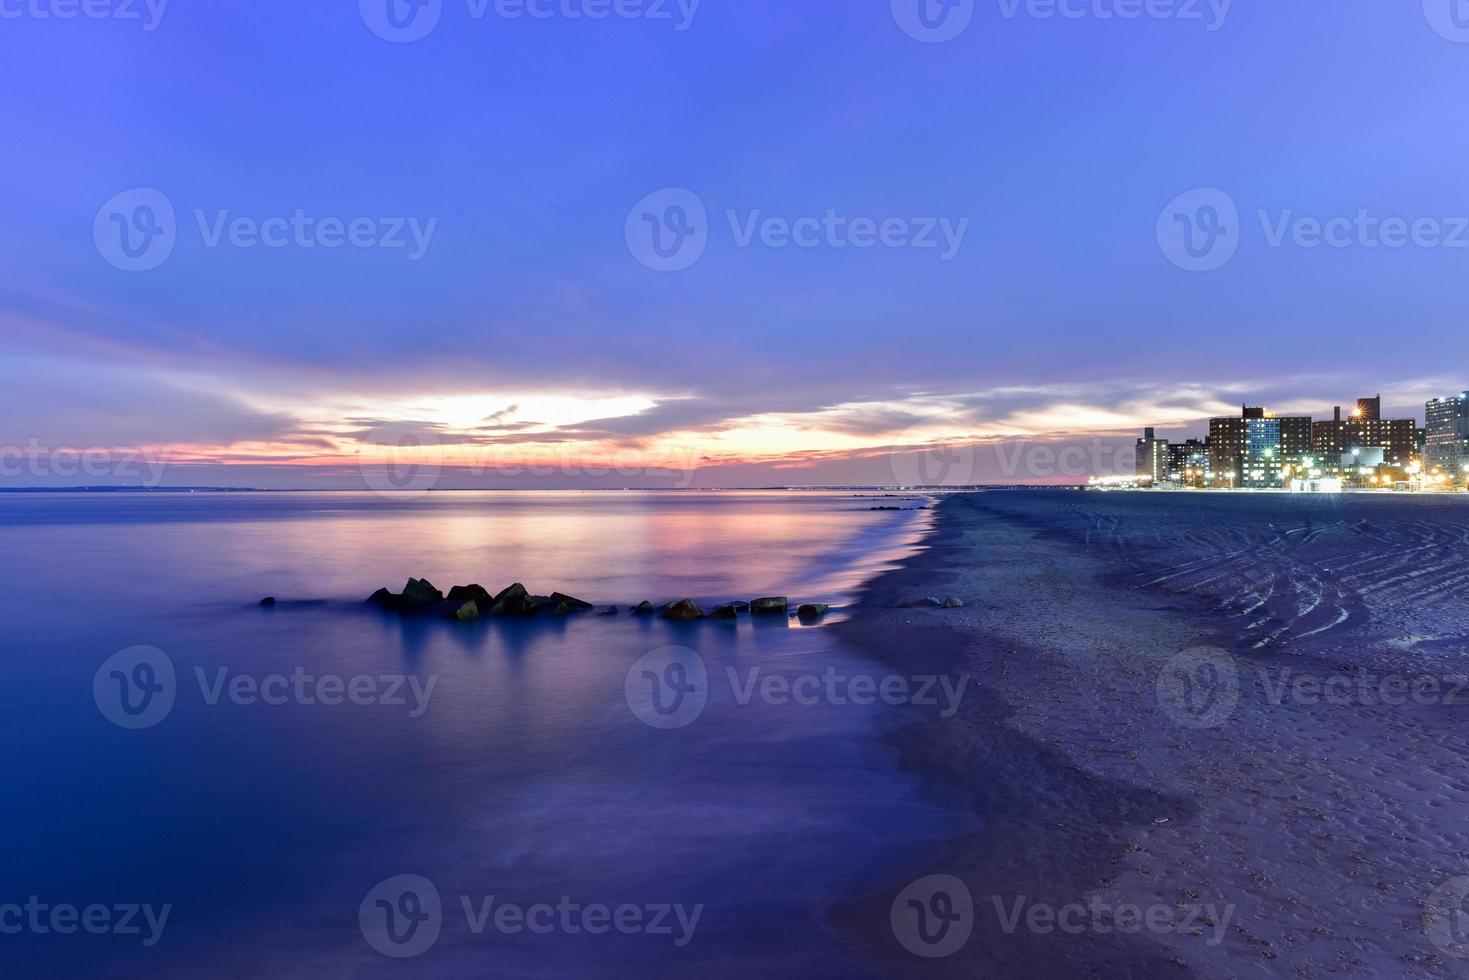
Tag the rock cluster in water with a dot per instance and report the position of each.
(466, 602)
(469, 602)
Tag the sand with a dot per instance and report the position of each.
(1273, 836)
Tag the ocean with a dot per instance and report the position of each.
(322, 789)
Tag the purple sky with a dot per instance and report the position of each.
(977, 241)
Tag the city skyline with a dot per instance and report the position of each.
(1359, 447)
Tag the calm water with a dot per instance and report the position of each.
(522, 774)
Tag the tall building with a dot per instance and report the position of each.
(1150, 458)
(1446, 434)
(1366, 429)
(1189, 464)
(1256, 449)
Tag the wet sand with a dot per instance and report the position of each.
(1284, 837)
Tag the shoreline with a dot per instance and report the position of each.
(944, 753)
(1084, 791)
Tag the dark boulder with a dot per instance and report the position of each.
(478, 593)
(770, 605)
(464, 611)
(420, 595)
(683, 609)
(572, 603)
(515, 601)
(644, 608)
(268, 601)
(928, 602)
(726, 611)
(812, 610)
(952, 603)
(385, 600)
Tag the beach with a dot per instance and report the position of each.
(1298, 812)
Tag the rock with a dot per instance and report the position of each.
(515, 601)
(644, 608)
(609, 611)
(812, 610)
(419, 595)
(573, 604)
(952, 603)
(268, 601)
(384, 599)
(683, 609)
(465, 611)
(770, 605)
(740, 607)
(726, 611)
(516, 591)
(930, 602)
(480, 595)
(560, 609)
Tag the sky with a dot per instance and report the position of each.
(667, 242)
